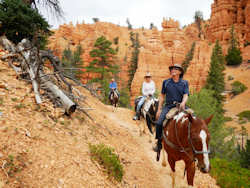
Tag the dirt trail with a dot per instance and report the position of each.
(56, 153)
(123, 118)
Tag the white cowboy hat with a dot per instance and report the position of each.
(147, 74)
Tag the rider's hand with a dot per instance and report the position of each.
(182, 106)
(158, 114)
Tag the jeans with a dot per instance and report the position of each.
(159, 122)
(140, 103)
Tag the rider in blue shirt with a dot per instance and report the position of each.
(113, 85)
(174, 90)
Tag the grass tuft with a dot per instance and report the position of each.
(106, 157)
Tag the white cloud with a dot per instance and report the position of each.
(140, 12)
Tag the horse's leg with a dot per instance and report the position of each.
(190, 173)
(172, 165)
(138, 124)
(164, 158)
(144, 127)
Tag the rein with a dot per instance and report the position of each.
(180, 148)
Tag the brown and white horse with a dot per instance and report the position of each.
(186, 138)
(114, 98)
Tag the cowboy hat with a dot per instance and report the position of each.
(178, 66)
(147, 74)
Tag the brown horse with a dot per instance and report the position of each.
(186, 138)
(114, 97)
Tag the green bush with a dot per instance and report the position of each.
(245, 156)
(229, 174)
(20, 21)
(124, 99)
(234, 57)
(238, 87)
(228, 119)
(244, 115)
(230, 78)
(105, 156)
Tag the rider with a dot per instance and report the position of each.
(175, 90)
(113, 86)
(148, 89)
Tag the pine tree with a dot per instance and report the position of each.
(20, 21)
(233, 56)
(103, 59)
(188, 58)
(134, 59)
(198, 18)
(215, 79)
(72, 62)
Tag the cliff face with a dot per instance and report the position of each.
(224, 14)
(159, 49)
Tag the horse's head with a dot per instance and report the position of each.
(199, 139)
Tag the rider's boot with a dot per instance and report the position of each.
(157, 148)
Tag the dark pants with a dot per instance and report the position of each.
(159, 122)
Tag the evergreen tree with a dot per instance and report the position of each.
(135, 54)
(151, 25)
(103, 59)
(103, 64)
(129, 24)
(245, 156)
(20, 21)
(233, 56)
(198, 18)
(215, 79)
(72, 62)
(204, 104)
(188, 58)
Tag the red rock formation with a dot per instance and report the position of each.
(159, 49)
(226, 13)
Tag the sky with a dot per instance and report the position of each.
(139, 12)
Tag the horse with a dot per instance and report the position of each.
(114, 98)
(148, 112)
(186, 138)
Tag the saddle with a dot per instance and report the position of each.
(174, 111)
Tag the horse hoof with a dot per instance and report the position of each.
(164, 164)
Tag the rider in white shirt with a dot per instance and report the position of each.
(148, 89)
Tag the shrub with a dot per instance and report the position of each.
(245, 156)
(228, 119)
(238, 87)
(124, 99)
(230, 78)
(244, 115)
(105, 156)
(20, 21)
(229, 174)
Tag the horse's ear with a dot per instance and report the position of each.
(190, 117)
(208, 120)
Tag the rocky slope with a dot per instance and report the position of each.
(39, 148)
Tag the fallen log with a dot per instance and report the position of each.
(31, 62)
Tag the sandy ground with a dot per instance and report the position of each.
(48, 150)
